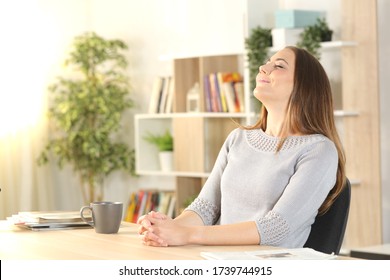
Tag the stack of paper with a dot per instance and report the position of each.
(49, 220)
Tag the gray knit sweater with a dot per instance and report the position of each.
(281, 191)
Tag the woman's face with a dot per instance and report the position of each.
(275, 80)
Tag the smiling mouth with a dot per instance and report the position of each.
(263, 81)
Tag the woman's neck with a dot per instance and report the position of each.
(275, 127)
(274, 124)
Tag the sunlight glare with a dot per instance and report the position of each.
(26, 57)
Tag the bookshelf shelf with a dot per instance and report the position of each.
(193, 115)
(328, 45)
(174, 173)
(337, 44)
(342, 113)
(172, 57)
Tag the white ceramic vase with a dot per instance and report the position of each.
(166, 161)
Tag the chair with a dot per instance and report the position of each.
(327, 231)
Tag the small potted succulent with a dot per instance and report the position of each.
(164, 144)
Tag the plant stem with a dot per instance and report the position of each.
(82, 186)
(91, 187)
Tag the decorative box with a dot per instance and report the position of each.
(282, 37)
(296, 18)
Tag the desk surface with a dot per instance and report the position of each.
(85, 244)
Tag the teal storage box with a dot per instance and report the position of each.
(296, 18)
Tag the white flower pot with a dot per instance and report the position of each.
(166, 161)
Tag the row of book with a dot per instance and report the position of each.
(161, 100)
(224, 92)
(144, 201)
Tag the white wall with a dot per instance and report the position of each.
(33, 39)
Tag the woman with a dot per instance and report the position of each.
(270, 180)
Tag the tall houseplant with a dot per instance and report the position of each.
(86, 111)
(257, 46)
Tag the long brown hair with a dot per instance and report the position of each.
(310, 111)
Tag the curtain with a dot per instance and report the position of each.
(28, 53)
(25, 186)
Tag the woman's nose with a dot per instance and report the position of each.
(263, 69)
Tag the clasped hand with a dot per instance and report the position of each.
(148, 231)
(157, 229)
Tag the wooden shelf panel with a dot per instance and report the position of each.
(328, 45)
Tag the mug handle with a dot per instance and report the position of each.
(91, 223)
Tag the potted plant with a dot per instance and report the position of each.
(257, 46)
(313, 35)
(164, 144)
(85, 113)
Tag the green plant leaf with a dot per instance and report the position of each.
(313, 35)
(163, 142)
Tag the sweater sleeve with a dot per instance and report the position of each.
(297, 207)
(208, 203)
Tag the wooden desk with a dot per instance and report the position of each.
(84, 244)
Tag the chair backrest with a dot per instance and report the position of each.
(327, 231)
